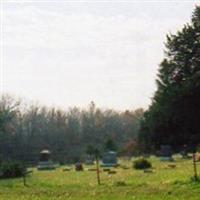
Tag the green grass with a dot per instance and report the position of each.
(126, 184)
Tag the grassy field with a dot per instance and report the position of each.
(164, 183)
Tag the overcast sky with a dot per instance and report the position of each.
(68, 53)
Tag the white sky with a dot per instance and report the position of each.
(68, 53)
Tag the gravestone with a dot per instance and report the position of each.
(166, 153)
(44, 161)
(109, 159)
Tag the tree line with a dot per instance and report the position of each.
(26, 130)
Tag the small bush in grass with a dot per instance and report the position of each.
(78, 167)
(12, 169)
(141, 164)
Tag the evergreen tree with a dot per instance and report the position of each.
(173, 117)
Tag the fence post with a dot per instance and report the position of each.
(195, 167)
(97, 166)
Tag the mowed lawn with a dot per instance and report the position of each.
(164, 183)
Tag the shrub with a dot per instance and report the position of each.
(141, 164)
(12, 169)
(78, 167)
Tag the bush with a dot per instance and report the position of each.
(78, 167)
(12, 169)
(141, 164)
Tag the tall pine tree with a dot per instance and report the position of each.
(173, 118)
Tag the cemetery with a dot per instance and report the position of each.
(164, 180)
(103, 116)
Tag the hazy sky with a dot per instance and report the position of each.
(68, 53)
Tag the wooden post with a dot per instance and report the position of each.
(97, 167)
(195, 167)
(24, 179)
